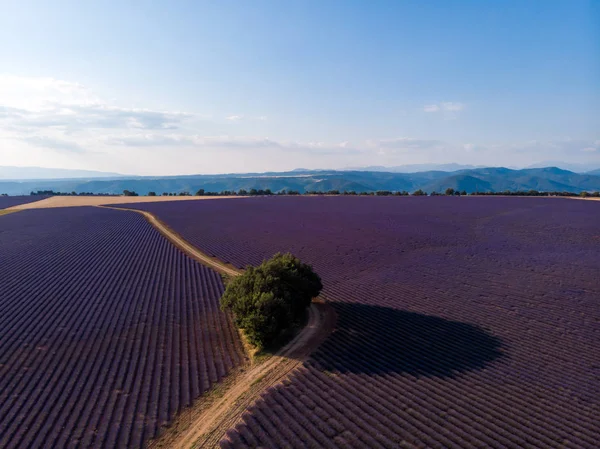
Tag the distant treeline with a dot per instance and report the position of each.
(536, 193)
(268, 192)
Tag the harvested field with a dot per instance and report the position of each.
(106, 329)
(462, 322)
(81, 201)
(11, 201)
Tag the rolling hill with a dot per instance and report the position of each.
(490, 179)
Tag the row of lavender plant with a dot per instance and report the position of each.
(106, 329)
(462, 322)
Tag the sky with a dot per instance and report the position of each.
(165, 88)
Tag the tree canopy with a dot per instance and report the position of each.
(268, 299)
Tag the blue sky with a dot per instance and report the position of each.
(208, 87)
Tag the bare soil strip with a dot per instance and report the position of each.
(79, 201)
(585, 198)
(205, 423)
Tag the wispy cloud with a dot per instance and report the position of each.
(75, 117)
(54, 143)
(240, 117)
(404, 143)
(39, 93)
(409, 142)
(431, 108)
(447, 106)
(229, 143)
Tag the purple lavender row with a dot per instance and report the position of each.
(10, 201)
(106, 329)
(462, 322)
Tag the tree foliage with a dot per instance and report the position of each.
(268, 299)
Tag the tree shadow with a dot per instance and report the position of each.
(378, 340)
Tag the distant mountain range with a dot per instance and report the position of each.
(571, 166)
(415, 168)
(594, 172)
(488, 179)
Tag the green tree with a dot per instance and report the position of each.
(449, 191)
(268, 299)
(200, 192)
(151, 193)
(419, 193)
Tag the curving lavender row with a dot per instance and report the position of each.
(10, 201)
(462, 322)
(106, 329)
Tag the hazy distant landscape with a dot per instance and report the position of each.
(492, 179)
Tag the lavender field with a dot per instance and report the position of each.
(10, 201)
(106, 329)
(462, 322)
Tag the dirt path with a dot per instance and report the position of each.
(215, 418)
(205, 423)
(183, 245)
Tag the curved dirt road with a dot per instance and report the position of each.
(183, 245)
(210, 425)
(206, 422)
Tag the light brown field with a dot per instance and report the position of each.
(78, 201)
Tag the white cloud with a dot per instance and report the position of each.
(54, 143)
(408, 143)
(73, 117)
(37, 103)
(36, 94)
(449, 106)
(227, 143)
(431, 108)
(446, 106)
(240, 117)
(590, 149)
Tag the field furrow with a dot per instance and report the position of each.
(462, 322)
(107, 330)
